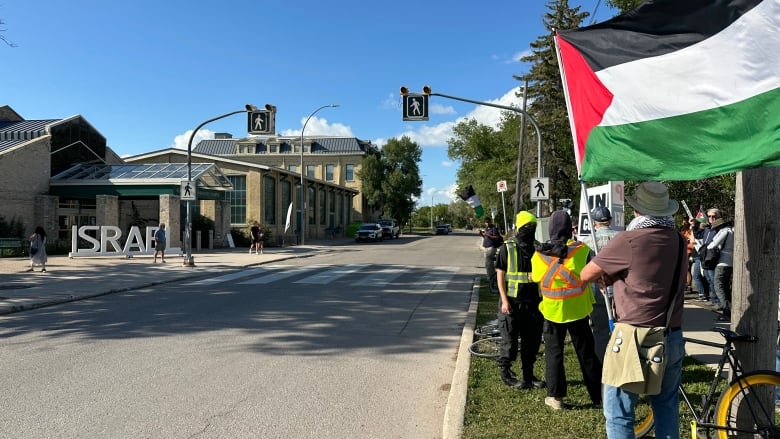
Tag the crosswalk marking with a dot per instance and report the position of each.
(371, 275)
(331, 275)
(282, 272)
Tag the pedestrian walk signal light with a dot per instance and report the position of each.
(262, 122)
(415, 106)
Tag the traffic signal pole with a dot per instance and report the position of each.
(427, 91)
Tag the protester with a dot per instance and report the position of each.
(518, 310)
(599, 318)
(709, 234)
(723, 240)
(699, 226)
(38, 249)
(491, 241)
(159, 242)
(567, 301)
(641, 263)
(687, 234)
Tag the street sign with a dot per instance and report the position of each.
(501, 186)
(187, 192)
(610, 196)
(540, 189)
(415, 106)
(260, 122)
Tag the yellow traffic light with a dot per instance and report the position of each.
(427, 89)
(404, 91)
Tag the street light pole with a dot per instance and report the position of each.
(431, 212)
(303, 185)
(189, 261)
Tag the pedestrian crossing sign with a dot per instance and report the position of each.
(415, 106)
(187, 192)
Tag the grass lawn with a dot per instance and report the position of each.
(495, 411)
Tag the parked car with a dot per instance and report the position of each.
(369, 232)
(469, 227)
(442, 229)
(390, 228)
(449, 228)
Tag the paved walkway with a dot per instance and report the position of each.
(69, 279)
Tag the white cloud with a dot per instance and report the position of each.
(180, 141)
(319, 127)
(447, 164)
(393, 102)
(441, 109)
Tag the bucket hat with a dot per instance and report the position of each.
(652, 199)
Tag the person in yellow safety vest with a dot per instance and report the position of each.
(518, 310)
(567, 302)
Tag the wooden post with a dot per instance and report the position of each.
(757, 265)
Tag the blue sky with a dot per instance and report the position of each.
(146, 73)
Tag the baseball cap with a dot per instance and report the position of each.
(600, 214)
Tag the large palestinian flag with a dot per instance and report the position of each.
(675, 90)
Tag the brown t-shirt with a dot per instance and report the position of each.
(642, 263)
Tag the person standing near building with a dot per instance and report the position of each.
(567, 302)
(599, 318)
(159, 243)
(38, 249)
(518, 309)
(641, 263)
(254, 237)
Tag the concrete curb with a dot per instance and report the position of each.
(455, 411)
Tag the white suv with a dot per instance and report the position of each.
(390, 228)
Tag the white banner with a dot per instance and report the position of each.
(289, 214)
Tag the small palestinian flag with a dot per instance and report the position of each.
(468, 195)
(700, 217)
(675, 90)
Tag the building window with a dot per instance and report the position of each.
(332, 208)
(340, 209)
(237, 198)
(349, 172)
(310, 205)
(292, 168)
(311, 171)
(272, 148)
(322, 210)
(329, 172)
(286, 191)
(269, 200)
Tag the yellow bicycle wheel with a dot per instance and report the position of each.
(643, 414)
(751, 399)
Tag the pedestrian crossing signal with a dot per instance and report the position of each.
(415, 106)
(261, 122)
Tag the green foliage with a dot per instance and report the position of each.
(391, 178)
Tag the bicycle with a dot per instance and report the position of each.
(488, 341)
(750, 396)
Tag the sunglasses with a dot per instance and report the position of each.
(711, 216)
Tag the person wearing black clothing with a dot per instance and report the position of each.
(518, 310)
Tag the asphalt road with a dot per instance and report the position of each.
(356, 344)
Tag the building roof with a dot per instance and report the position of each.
(319, 145)
(207, 175)
(13, 133)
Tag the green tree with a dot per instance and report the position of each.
(391, 179)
